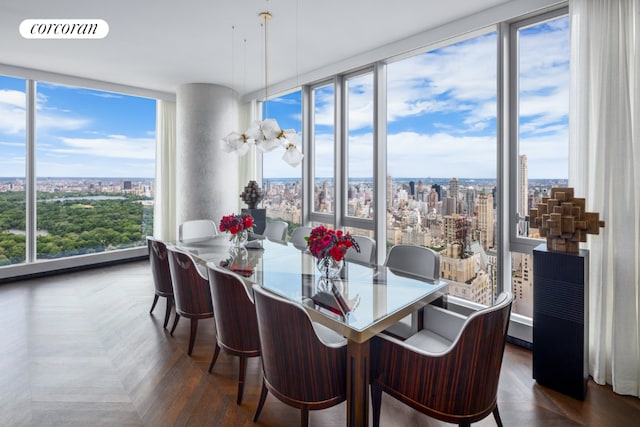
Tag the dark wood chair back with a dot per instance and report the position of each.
(190, 290)
(236, 322)
(457, 386)
(299, 368)
(159, 260)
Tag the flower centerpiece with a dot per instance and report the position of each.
(239, 226)
(328, 247)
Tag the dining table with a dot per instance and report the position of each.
(362, 302)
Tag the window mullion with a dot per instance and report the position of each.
(31, 187)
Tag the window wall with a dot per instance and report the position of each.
(359, 148)
(12, 170)
(323, 98)
(439, 147)
(540, 68)
(282, 183)
(93, 174)
(442, 160)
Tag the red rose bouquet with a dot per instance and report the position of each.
(323, 243)
(236, 223)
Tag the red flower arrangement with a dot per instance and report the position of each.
(323, 242)
(235, 223)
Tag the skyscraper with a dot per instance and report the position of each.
(453, 193)
(470, 199)
(523, 194)
(485, 220)
(523, 186)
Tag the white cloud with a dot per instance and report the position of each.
(441, 155)
(112, 146)
(12, 111)
(457, 79)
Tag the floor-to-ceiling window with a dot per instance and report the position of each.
(323, 143)
(448, 149)
(359, 101)
(93, 177)
(95, 157)
(282, 183)
(12, 170)
(540, 68)
(442, 160)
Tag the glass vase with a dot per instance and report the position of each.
(239, 239)
(329, 268)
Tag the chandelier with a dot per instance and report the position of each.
(266, 134)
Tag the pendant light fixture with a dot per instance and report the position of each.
(266, 134)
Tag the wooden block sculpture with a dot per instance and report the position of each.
(562, 219)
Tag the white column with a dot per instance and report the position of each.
(206, 177)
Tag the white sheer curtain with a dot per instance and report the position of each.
(605, 167)
(164, 215)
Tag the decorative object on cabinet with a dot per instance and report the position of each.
(562, 219)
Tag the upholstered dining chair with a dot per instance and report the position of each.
(298, 237)
(236, 323)
(303, 363)
(276, 231)
(449, 370)
(416, 261)
(367, 249)
(159, 260)
(190, 290)
(197, 230)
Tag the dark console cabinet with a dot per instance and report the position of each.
(560, 320)
(259, 218)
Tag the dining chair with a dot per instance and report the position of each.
(276, 231)
(303, 363)
(298, 237)
(197, 230)
(450, 370)
(159, 260)
(367, 250)
(415, 261)
(236, 323)
(191, 291)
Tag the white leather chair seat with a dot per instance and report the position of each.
(441, 329)
(429, 341)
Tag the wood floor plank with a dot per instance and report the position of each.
(81, 349)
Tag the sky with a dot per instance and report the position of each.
(441, 112)
(441, 118)
(79, 132)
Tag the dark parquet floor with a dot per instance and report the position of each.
(80, 349)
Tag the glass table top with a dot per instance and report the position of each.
(364, 301)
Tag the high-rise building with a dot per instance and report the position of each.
(433, 200)
(523, 186)
(522, 283)
(438, 189)
(523, 194)
(455, 229)
(389, 191)
(485, 220)
(470, 200)
(453, 188)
